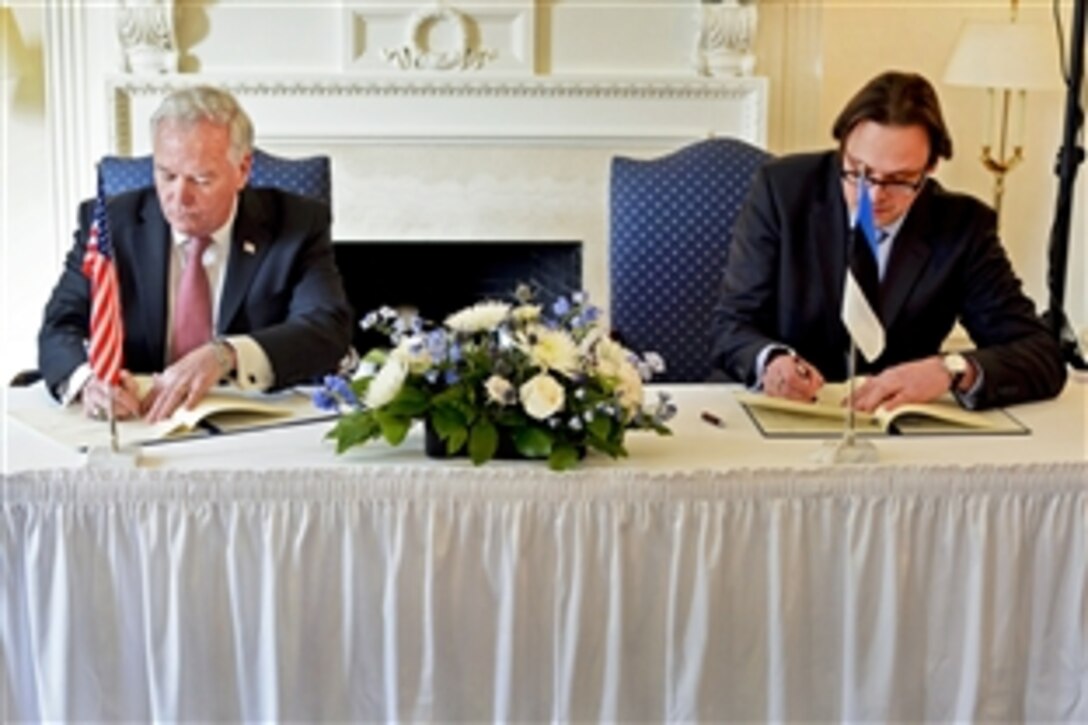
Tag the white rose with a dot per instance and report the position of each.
(542, 396)
(387, 383)
(479, 317)
(499, 390)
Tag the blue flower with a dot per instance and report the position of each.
(560, 307)
(324, 400)
(451, 377)
(342, 389)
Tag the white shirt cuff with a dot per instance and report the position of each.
(252, 371)
(73, 386)
(761, 363)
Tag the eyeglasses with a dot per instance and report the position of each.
(895, 187)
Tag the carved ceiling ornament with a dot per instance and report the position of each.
(417, 52)
(146, 31)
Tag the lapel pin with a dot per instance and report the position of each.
(249, 247)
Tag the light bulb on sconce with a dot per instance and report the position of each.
(1008, 59)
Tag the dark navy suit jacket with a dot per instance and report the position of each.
(281, 287)
(784, 279)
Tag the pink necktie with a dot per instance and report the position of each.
(193, 304)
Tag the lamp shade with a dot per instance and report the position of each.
(1014, 56)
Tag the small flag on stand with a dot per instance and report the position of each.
(106, 334)
(860, 294)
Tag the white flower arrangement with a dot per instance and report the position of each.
(500, 377)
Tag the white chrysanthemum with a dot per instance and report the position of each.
(526, 313)
(611, 356)
(629, 388)
(542, 396)
(479, 317)
(412, 351)
(499, 390)
(551, 349)
(387, 383)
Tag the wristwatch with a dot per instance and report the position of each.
(956, 366)
(224, 355)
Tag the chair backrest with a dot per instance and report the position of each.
(671, 223)
(309, 177)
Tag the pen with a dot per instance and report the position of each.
(712, 419)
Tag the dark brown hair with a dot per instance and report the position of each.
(895, 98)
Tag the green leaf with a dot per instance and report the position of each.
(411, 402)
(483, 441)
(450, 425)
(600, 427)
(445, 419)
(456, 440)
(533, 442)
(394, 427)
(564, 456)
(352, 430)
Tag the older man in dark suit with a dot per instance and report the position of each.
(217, 280)
(778, 323)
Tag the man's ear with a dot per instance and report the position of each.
(244, 167)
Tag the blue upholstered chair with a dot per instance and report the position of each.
(671, 222)
(309, 177)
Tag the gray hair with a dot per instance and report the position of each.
(206, 103)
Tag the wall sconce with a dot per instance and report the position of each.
(9, 48)
(1007, 59)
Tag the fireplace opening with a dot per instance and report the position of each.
(437, 278)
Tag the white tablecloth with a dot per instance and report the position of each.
(383, 587)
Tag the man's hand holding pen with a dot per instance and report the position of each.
(790, 376)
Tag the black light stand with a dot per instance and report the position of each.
(1070, 156)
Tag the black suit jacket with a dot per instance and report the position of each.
(786, 265)
(281, 287)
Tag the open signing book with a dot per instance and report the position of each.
(223, 410)
(825, 417)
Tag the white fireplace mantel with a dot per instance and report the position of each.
(574, 111)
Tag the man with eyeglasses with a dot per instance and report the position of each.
(778, 325)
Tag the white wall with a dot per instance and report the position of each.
(816, 54)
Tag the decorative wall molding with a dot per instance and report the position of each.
(68, 104)
(477, 37)
(146, 31)
(419, 49)
(383, 110)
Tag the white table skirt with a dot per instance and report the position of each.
(508, 593)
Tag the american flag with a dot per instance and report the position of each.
(107, 334)
(859, 303)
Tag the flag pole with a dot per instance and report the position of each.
(115, 444)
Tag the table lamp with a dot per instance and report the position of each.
(1006, 58)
